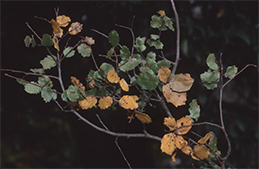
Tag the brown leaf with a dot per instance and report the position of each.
(55, 43)
(170, 123)
(181, 82)
(184, 121)
(77, 83)
(89, 40)
(177, 99)
(75, 28)
(164, 73)
(91, 84)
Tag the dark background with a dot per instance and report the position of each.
(39, 135)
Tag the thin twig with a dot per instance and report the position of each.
(103, 35)
(124, 157)
(100, 120)
(32, 30)
(94, 61)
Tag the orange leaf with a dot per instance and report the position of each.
(55, 43)
(184, 121)
(161, 12)
(113, 77)
(135, 98)
(173, 157)
(186, 150)
(170, 123)
(127, 102)
(105, 102)
(75, 28)
(200, 152)
(204, 139)
(76, 82)
(168, 143)
(180, 142)
(88, 102)
(164, 73)
(58, 32)
(177, 99)
(124, 85)
(181, 82)
(143, 117)
(63, 20)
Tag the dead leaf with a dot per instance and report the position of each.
(75, 28)
(204, 139)
(58, 32)
(89, 40)
(124, 85)
(180, 142)
(181, 82)
(88, 102)
(127, 102)
(105, 102)
(161, 12)
(186, 150)
(170, 123)
(55, 43)
(173, 157)
(164, 74)
(77, 83)
(91, 84)
(143, 117)
(177, 99)
(168, 143)
(184, 121)
(63, 20)
(113, 77)
(200, 152)
(135, 98)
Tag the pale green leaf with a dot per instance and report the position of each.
(70, 54)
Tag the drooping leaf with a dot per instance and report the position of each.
(55, 39)
(210, 79)
(200, 152)
(64, 97)
(33, 42)
(164, 74)
(211, 62)
(63, 20)
(170, 123)
(129, 65)
(105, 102)
(177, 99)
(168, 143)
(124, 85)
(113, 77)
(145, 69)
(27, 41)
(84, 50)
(46, 40)
(75, 28)
(231, 71)
(147, 81)
(184, 121)
(127, 102)
(32, 88)
(143, 117)
(88, 102)
(169, 23)
(48, 62)
(181, 82)
(124, 53)
(58, 32)
(110, 52)
(23, 82)
(213, 141)
(194, 110)
(204, 139)
(68, 52)
(39, 70)
(113, 38)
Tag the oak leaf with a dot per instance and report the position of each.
(113, 77)
(75, 28)
(170, 123)
(88, 102)
(200, 152)
(181, 82)
(168, 143)
(127, 102)
(105, 102)
(184, 121)
(164, 74)
(63, 20)
(124, 85)
(177, 99)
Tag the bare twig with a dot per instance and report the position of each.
(32, 30)
(116, 142)
(94, 61)
(100, 120)
(103, 35)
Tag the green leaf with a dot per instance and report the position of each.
(73, 93)
(106, 67)
(145, 69)
(154, 37)
(210, 86)
(137, 56)
(46, 40)
(64, 97)
(139, 44)
(146, 81)
(113, 38)
(40, 70)
(48, 94)
(213, 141)
(45, 81)
(156, 21)
(27, 41)
(124, 53)
(71, 52)
(169, 23)
(84, 50)
(211, 62)
(31, 88)
(23, 82)
(163, 63)
(129, 65)
(210, 76)
(33, 42)
(156, 43)
(48, 62)
(110, 52)
(194, 110)
(231, 71)
(151, 55)
(133, 80)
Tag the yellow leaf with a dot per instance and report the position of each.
(161, 12)
(204, 139)
(184, 121)
(75, 28)
(91, 84)
(105, 102)
(124, 85)
(177, 99)
(88, 102)
(164, 74)
(143, 117)
(55, 43)
(170, 123)
(180, 142)
(181, 82)
(113, 77)
(89, 40)
(135, 98)
(63, 20)
(127, 102)
(200, 152)
(186, 150)
(173, 157)
(76, 82)
(168, 143)
(58, 32)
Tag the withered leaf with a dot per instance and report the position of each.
(105, 102)
(164, 74)
(124, 85)
(200, 152)
(170, 123)
(88, 102)
(113, 77)
(127, 102)
(177, 99)
(180, 142)
(181, 82)
(168, 143)
(75, 28)
(63, 20)
(184, 121)
(143, 117)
